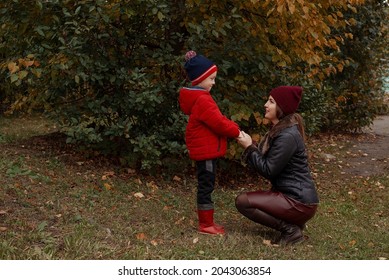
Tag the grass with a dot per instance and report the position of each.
(57, 204)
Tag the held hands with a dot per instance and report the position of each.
(244, 139)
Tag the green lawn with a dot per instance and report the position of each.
(56, 203)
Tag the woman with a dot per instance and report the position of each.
(281, 158)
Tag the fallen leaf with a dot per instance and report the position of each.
(141, 236)
(179, 221)
(3, 228)
(267, 242)
(195, 240)
(139, 195)
(154, 242)
(107, 186)
(3, 212)
(109, 173)
(152, 185)
(177, 179)
(131, 171)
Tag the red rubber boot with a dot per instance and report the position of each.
(206, 224)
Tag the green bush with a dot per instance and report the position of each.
(109, 71)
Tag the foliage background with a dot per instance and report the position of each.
(108, 72)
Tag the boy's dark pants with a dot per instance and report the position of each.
(206, 176)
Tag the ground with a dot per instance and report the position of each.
(57, 203)
(370, 153)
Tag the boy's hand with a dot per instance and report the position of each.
(244, 139)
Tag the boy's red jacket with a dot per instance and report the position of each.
(208, 129)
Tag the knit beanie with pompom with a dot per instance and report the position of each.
(198, 67)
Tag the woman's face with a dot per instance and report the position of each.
(271, 110)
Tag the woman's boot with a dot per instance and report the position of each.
(290, 234)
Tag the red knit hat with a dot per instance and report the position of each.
(198, 67)
(287, 98)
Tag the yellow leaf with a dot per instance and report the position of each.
(23, 74)
(141, 236)
(292, 7)
(269, 12)
(152, 185)
(280, 8)
(340, 67)
(232, 150)
(13, 67)
(28, 63)
(258, 117)
(107, 186)
(256, 137)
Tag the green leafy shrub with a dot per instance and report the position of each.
(109, 71)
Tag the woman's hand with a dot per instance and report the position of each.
(244, 139)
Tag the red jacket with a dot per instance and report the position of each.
(207, 130)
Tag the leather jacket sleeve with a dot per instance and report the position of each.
(281, 150)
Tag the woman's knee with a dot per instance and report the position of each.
(242, 202)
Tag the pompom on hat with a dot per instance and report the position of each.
(198, 67)
(287, 98)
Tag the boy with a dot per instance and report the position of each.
(206, 133)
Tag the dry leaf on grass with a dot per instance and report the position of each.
(139, 195)
(107, 186)
(141, 236)
(269, 243)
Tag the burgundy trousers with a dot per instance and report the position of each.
(276, 205)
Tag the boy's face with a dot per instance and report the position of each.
(208, 83)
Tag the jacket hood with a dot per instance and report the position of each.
(188, 97)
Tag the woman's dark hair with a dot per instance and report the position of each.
(297, 117)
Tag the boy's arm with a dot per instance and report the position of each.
(214, 119)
